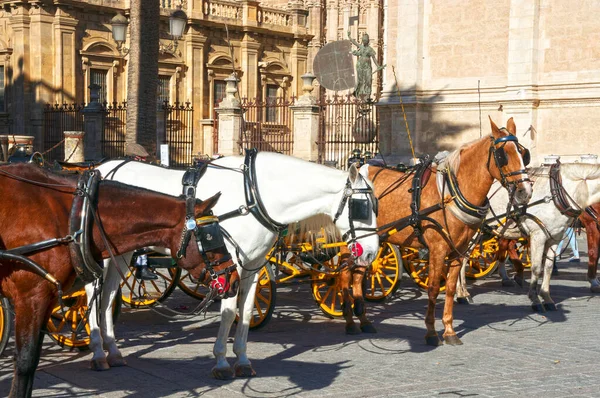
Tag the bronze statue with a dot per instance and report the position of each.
(364, 72)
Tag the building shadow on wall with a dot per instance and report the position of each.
(435, 124)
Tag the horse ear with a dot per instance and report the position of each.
(511, 126)
(203, 207)
(495, 129)
(353, 173)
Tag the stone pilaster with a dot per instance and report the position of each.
(20, 25)
(65, 58)
(298, 55)
(306, 122)
(522, 78)
(194, 87)
(249, 54)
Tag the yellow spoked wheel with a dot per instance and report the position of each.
(482, 261)
(418, 268)
(193, 289)
(385, 273)
(523, 251)
(264, 299)
(140, 293)
(69, 326)
(327, 292)
(6, 320)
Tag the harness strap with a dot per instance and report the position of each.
(461, 202)
(80, 225)
(253, 199)
(420, 179)
(559, 195)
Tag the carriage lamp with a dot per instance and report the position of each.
(177, 23)
(119, 30)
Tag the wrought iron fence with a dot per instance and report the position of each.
(346, 124)
(114, 128)
(179, 133)
(268, 126)
(59, 118)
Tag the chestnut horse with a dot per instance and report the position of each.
(589, 219)
(475, 166)
(35, 205)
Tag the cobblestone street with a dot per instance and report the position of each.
(508, 350)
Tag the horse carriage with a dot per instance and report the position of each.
(357, 201)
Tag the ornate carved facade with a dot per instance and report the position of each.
(51, 51)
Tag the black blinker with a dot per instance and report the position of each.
(210, 236)
(359, 210)
(526, 156)
(501, 158)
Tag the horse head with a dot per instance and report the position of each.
(509, 161)
(356, 216)
(201, 250)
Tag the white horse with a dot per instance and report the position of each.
(291, 190)
(581, 182)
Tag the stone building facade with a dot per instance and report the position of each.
(458, 60)
(50, 52)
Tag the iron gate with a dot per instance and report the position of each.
(346, 124)
(179, 133)
(268, 126)
(113, 130)
(58, 119)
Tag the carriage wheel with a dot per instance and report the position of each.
(6, 320)
(523, 251)
(193, 289)
(72, 329)
(139, 293)
(418, 269)
(264, 299)
(327, 290)
(384, 274)
(482, 261)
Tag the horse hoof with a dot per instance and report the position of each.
(538, 308)
(508, 283)
(452, 339)
(244, 371)
(519, 280)
(116, 361)
(368, 328)
(550, 306)
(99, 364)
(595, 289)
(352, 329)
(433, 340)
(464, 300)
(222, 374)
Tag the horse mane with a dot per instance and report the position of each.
(34, 173)
(452, 161)
(580, 173)
(313, 228)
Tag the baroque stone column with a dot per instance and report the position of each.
(249, 49)
(194, 84)
(20, 25)
(306, 122)
(230, 120)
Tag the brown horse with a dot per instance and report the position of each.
(592, 231)
(475, 165)
(35, 206)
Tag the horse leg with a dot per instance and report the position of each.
(222, 369)
(545, 289)
(347, 299)
(593, 240)
(360, 309)
(449, 335)
(436, 263)
(30, 316)
(501, 255)
(462, 294)
(110, 291)
(243, 367)
(516, 262)
(536, 247)
(98, 361)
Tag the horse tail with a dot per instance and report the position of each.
(316, 229)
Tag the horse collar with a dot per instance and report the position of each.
(472, 210)
(80, 227)
(253, 200)
(560, 197)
